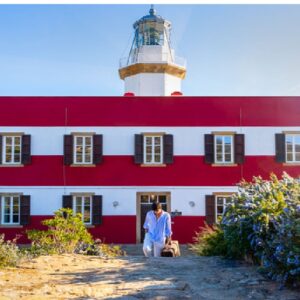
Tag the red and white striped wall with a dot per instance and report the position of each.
(118, 119)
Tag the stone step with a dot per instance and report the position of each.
(137, 250)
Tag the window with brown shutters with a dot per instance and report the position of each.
(68, 150)
(210, 209)
(97, 210)
(154, 149)
(97, 149)
(168, 148)
(24, 210)
(138, 148)
(280, 147)
(239, 148)
(26, 149)
(88, 205)
(224, 148)
(209, 148)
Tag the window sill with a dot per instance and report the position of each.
(224, 165)
(153, 165)
(11, 226)
(11, 165)
(82, 165)
(291, 163)
(89, 226)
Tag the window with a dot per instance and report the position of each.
(10, 210)
(83, 146)
(11, 150)
(150, 198)
(82, 205)
(292, 142)
(221, 202)
(153, 152)
(223, 149)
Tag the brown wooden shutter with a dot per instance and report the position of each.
(24, 210)
(209, 148)
(97, 149)
(68, 150)
(138, 148)
(280, 147)
(97, 210)
(168, 148)
(210, 209)
(67, 201)
(239, 148)
(1, 149)
(26, 149)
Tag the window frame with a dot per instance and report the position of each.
(74, 206)
(153, 162)
(223, 136)
(223, 196)
(83, 136)
(11, 214)
(4, 145)
(293, 135)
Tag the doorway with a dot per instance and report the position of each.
(144, 203)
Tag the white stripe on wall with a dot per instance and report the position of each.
(46, 200)
(120, 140)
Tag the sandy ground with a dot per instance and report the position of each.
(135, 277)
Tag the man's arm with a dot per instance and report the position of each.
(146, 223)
(168, 229)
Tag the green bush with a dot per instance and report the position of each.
(261, 225)
(65, 232)
(263, 222)
(100, 249)
(209, 242)
(9, 253)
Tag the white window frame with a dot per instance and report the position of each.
(293, 136)
(83, 149)
(82, 207)
(4, 142)
(224, 204)
(11, 209)
(223, 136)
(153, 162)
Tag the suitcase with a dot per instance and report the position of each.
(171, 250)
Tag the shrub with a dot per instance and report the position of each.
(100, 249)
(209, 242)
(9, 252)
(65, 232)
(262, 222)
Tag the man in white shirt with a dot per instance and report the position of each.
(158, 230)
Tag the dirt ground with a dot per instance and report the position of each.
(136, 277)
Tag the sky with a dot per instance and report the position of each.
(74, 50)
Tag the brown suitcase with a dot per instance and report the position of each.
(171, 249)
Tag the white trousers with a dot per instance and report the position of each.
(149, 245)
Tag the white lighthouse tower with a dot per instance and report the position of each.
(151, 68)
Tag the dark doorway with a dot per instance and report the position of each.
(145, 201)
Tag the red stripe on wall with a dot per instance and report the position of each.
(116, 229)
(121, 171)
(149, 111)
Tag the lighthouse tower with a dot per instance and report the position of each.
(151, 68)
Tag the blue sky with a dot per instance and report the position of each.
(75, 49)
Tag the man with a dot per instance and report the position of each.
(157, 230)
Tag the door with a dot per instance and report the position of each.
(144, 202)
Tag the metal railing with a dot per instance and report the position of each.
(149, 58)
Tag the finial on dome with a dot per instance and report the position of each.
(152, 11)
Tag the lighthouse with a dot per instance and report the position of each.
(151, 67)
